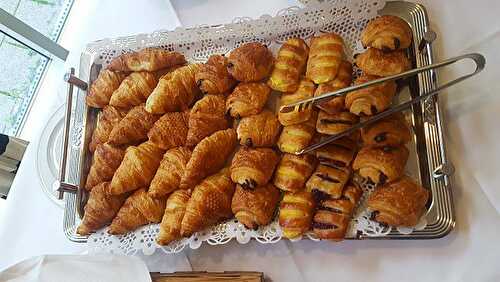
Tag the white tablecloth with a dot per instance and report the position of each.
(32, 225)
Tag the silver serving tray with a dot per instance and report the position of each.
(433, 168)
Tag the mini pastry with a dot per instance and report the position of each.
(170, 227)
(168, 176)
(259, 130)
(133, 128)
(134, 90)
(387, 33)
(254, 208)
(305, 91)
(289, 66)
(327, 181)
(106, 161)
(376, 62)
(148, 59)
(296, 212)
(342, 80)
(252, 167)
(248, 98)
(108, 118)
(102, 88)
(399, 203)
(296, 137)
(206, 117)
(338, 153)
(250, 62)
(332, 124)
(390, 131)
(213, 77)
(325, 57)
(170, 130)
(371, 100)
(381, 165)
(293, 171)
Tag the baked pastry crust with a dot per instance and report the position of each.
(133, 128)
(325, 56)
(342, 80)
(134, 90)
(339, 122)
(250, 62)
(370, 100)
(328, 181)
(108, 118)
(213, 77)
(252, 167)
(290, 65)
(147, 59)
(293, 171)
(103, 87)
(375, 62)
(305, 91)
(105, 162)
(170, 227)
(296, 212)
(296, 137)
(338, 153)
(381, 165)
(259, 130)
(248, 98)
(390, 131)
(168, 176)
(387, 33)
(170, 130)
(206, 117)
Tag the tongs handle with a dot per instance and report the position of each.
(478, 59)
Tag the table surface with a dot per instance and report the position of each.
(30, 224)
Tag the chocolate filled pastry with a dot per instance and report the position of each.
(376, 62)
(293, 171)
(399, 203)
(338, 153)
(250, 62)
(371, 100)
(325, 56)
(381, 164)
(206, 117)
(254, 208)
(170, 130)
(252, 167)
(296, 137)
(248, 98)
(390, 131)
(259, 130)
(342, 80)
(387, 33)
(332, 124)
(333, 215)
(289, 66)
(213, 77)
(305, 91)
(296, 212)
(328, 181)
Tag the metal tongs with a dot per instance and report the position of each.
(478, 59)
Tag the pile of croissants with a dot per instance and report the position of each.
(191, 145)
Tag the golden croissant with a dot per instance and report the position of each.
(108, 118)
(387, 33)
(170, 227)
(102, 88)
(170, 130)
(325, 56)
(213, 77)
(172, 168)
(134, 90)
(289, 66)
(133, 128)
(106, 161)
(148, 59)
(206, 117)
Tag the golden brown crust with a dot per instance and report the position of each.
(103, 87)
(255, 207)
(296, 137)
(170, 227)
(296, 212)
(293, 171)
(376, 62)
(259, 130)
(105, 162)
(208, 157)
(206, 117)
(250, 62)
(338, 153)
(247, 99)
(213, 77)
(325, 57)
(399, 203)
(252, 167)
(289, 66)
(387, 33)
(381, 165)
(342, 80)
(305, 91)
(339, 122)
(172, 168)
(108, 118)
(133, 128)
(370, 100)
(170, 130)
(390, 131)
(148, 59)
(328, 180)
(134, 90)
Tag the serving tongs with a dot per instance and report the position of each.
(300, 106)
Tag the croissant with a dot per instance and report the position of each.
(254, 208)
(333, 216)
(260, 130)
(139, 209)
(148, 59)
(133, 128)
(305, 91)
(106, 161)
(296, 212)
(101, 89)
(399, 203)
(250, 62)
(339, 122)
(342, 80)
(296, 137)
(108, 118)
(327, 181)
(376, 62)
(293, 171)
(213, 77)
(170, 227)
(325, 57)
(381, 165)
(208, 157)
(253, 167)
(390, 131)
(168, 176)
(338, 153)
(206, 117)
(134, 90)
(137, 168)
(209, 204)
(248, 98)
(289, 66)
(175, 91)
(100, 209)
(170, 131)
(370, 100)
(387, 33)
